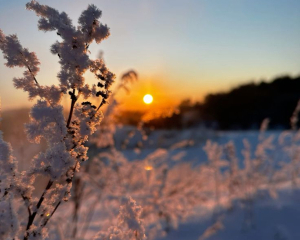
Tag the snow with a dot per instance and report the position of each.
(272, 219)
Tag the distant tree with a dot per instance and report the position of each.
(248, 105)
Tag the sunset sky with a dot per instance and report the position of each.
(180, 48)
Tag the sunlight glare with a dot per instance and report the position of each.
(148, 168)
(148, 99)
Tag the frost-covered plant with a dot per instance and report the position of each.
(213, 229)
(104, 137)
(65, 137)
(8, 221)
(214, 154)
(290, 141)
(166, 196)
(129, 226)
(230, 153)
(104, 141)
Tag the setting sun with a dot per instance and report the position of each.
(148, 99)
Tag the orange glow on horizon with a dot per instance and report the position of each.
(148, 168)
(166, 97)
(147, 94)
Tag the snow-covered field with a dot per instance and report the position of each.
(183, 184)
(273, 219)
(196, 184)
(269, 217)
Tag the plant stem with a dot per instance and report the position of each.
(71, 109)
(57, 205)
(33, 215)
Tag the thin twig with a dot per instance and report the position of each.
(71, 108)
(33, 76)
(57, 205)
(28, 208)
(54, 210)
(33, 215)
(29, 69)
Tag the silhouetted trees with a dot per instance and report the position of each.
(246, 106)
(243, 107)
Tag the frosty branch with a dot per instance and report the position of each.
(65, 138)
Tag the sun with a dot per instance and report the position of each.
(148, 99)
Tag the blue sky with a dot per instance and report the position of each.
(185, 48)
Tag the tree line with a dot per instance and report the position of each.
(243, 107)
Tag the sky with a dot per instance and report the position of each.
(180, 48)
